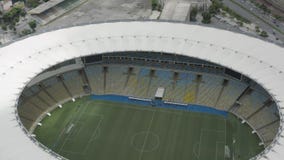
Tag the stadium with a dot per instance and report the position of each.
(141, 90)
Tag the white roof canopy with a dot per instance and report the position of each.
(24, 59)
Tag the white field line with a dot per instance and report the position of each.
(91, 138)
(218, 142)
(200, 140)
(148, 109)
(75, 122)
(209, 130)
(225, 134)
(71, 152)
(146, 137)
(63, 130)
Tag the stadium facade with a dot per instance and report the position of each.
(238, 54)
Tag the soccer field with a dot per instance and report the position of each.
(90, 129)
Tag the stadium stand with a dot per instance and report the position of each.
(193, 84)
(95, 76)
(55, 89)
(73, 82)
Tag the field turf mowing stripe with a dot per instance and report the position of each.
(105, 130)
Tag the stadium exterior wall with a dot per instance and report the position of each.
(24, 59)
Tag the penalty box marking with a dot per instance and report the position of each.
(216, 152)
(91, 138)
(200, 138)
(76, 121)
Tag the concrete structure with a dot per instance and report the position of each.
(45, 6)
(179, 10)
(278, 4)
(5, 5)
(160, 93)
(174, 10)
(49, 11)
(21, 61)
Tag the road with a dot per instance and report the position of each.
(255, 15)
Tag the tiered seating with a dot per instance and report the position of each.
(39, 102)
(160, 79)
(190, 88)
(27, 123)
(74, 82)
(230, 93)
(28, 114)
(56, 89)
(142, 83)
(116, 79)
(268, 133)
(181, 87)
(29, 111)
(96, 78)
(250, 103)
(132, 82)
(269, 127)
(209, 89)
(264, 117)
(177, 89)
(164, 79)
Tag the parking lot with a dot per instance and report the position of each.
(102, 10)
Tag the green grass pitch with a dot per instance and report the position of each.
(100, 130)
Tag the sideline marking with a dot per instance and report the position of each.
(76, 119)
(148, 130)
(92, 135)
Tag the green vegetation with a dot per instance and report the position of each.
(32, 3)
(263, 34)
(257, 29)
(206, 17)
(91, 129)
(264, 8)
(193, 14)
(217, 5)
(272, 26)
(240, 24)
(32, 25)
(261, 6)
(276, 16)
(25, 32)
(156, 5)
(12, 17)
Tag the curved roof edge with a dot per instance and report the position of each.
(26, 58)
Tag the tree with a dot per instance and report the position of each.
(156, 5)
(257, 29)
(263, 34)
(264, 8)
(193, 14)
(4, 27)
(25, 32)
(240, 23)
(32, 3)
(32, 25)
(215, 7)
(206, 18)
(13, 15)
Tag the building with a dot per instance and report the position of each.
(179, 10)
